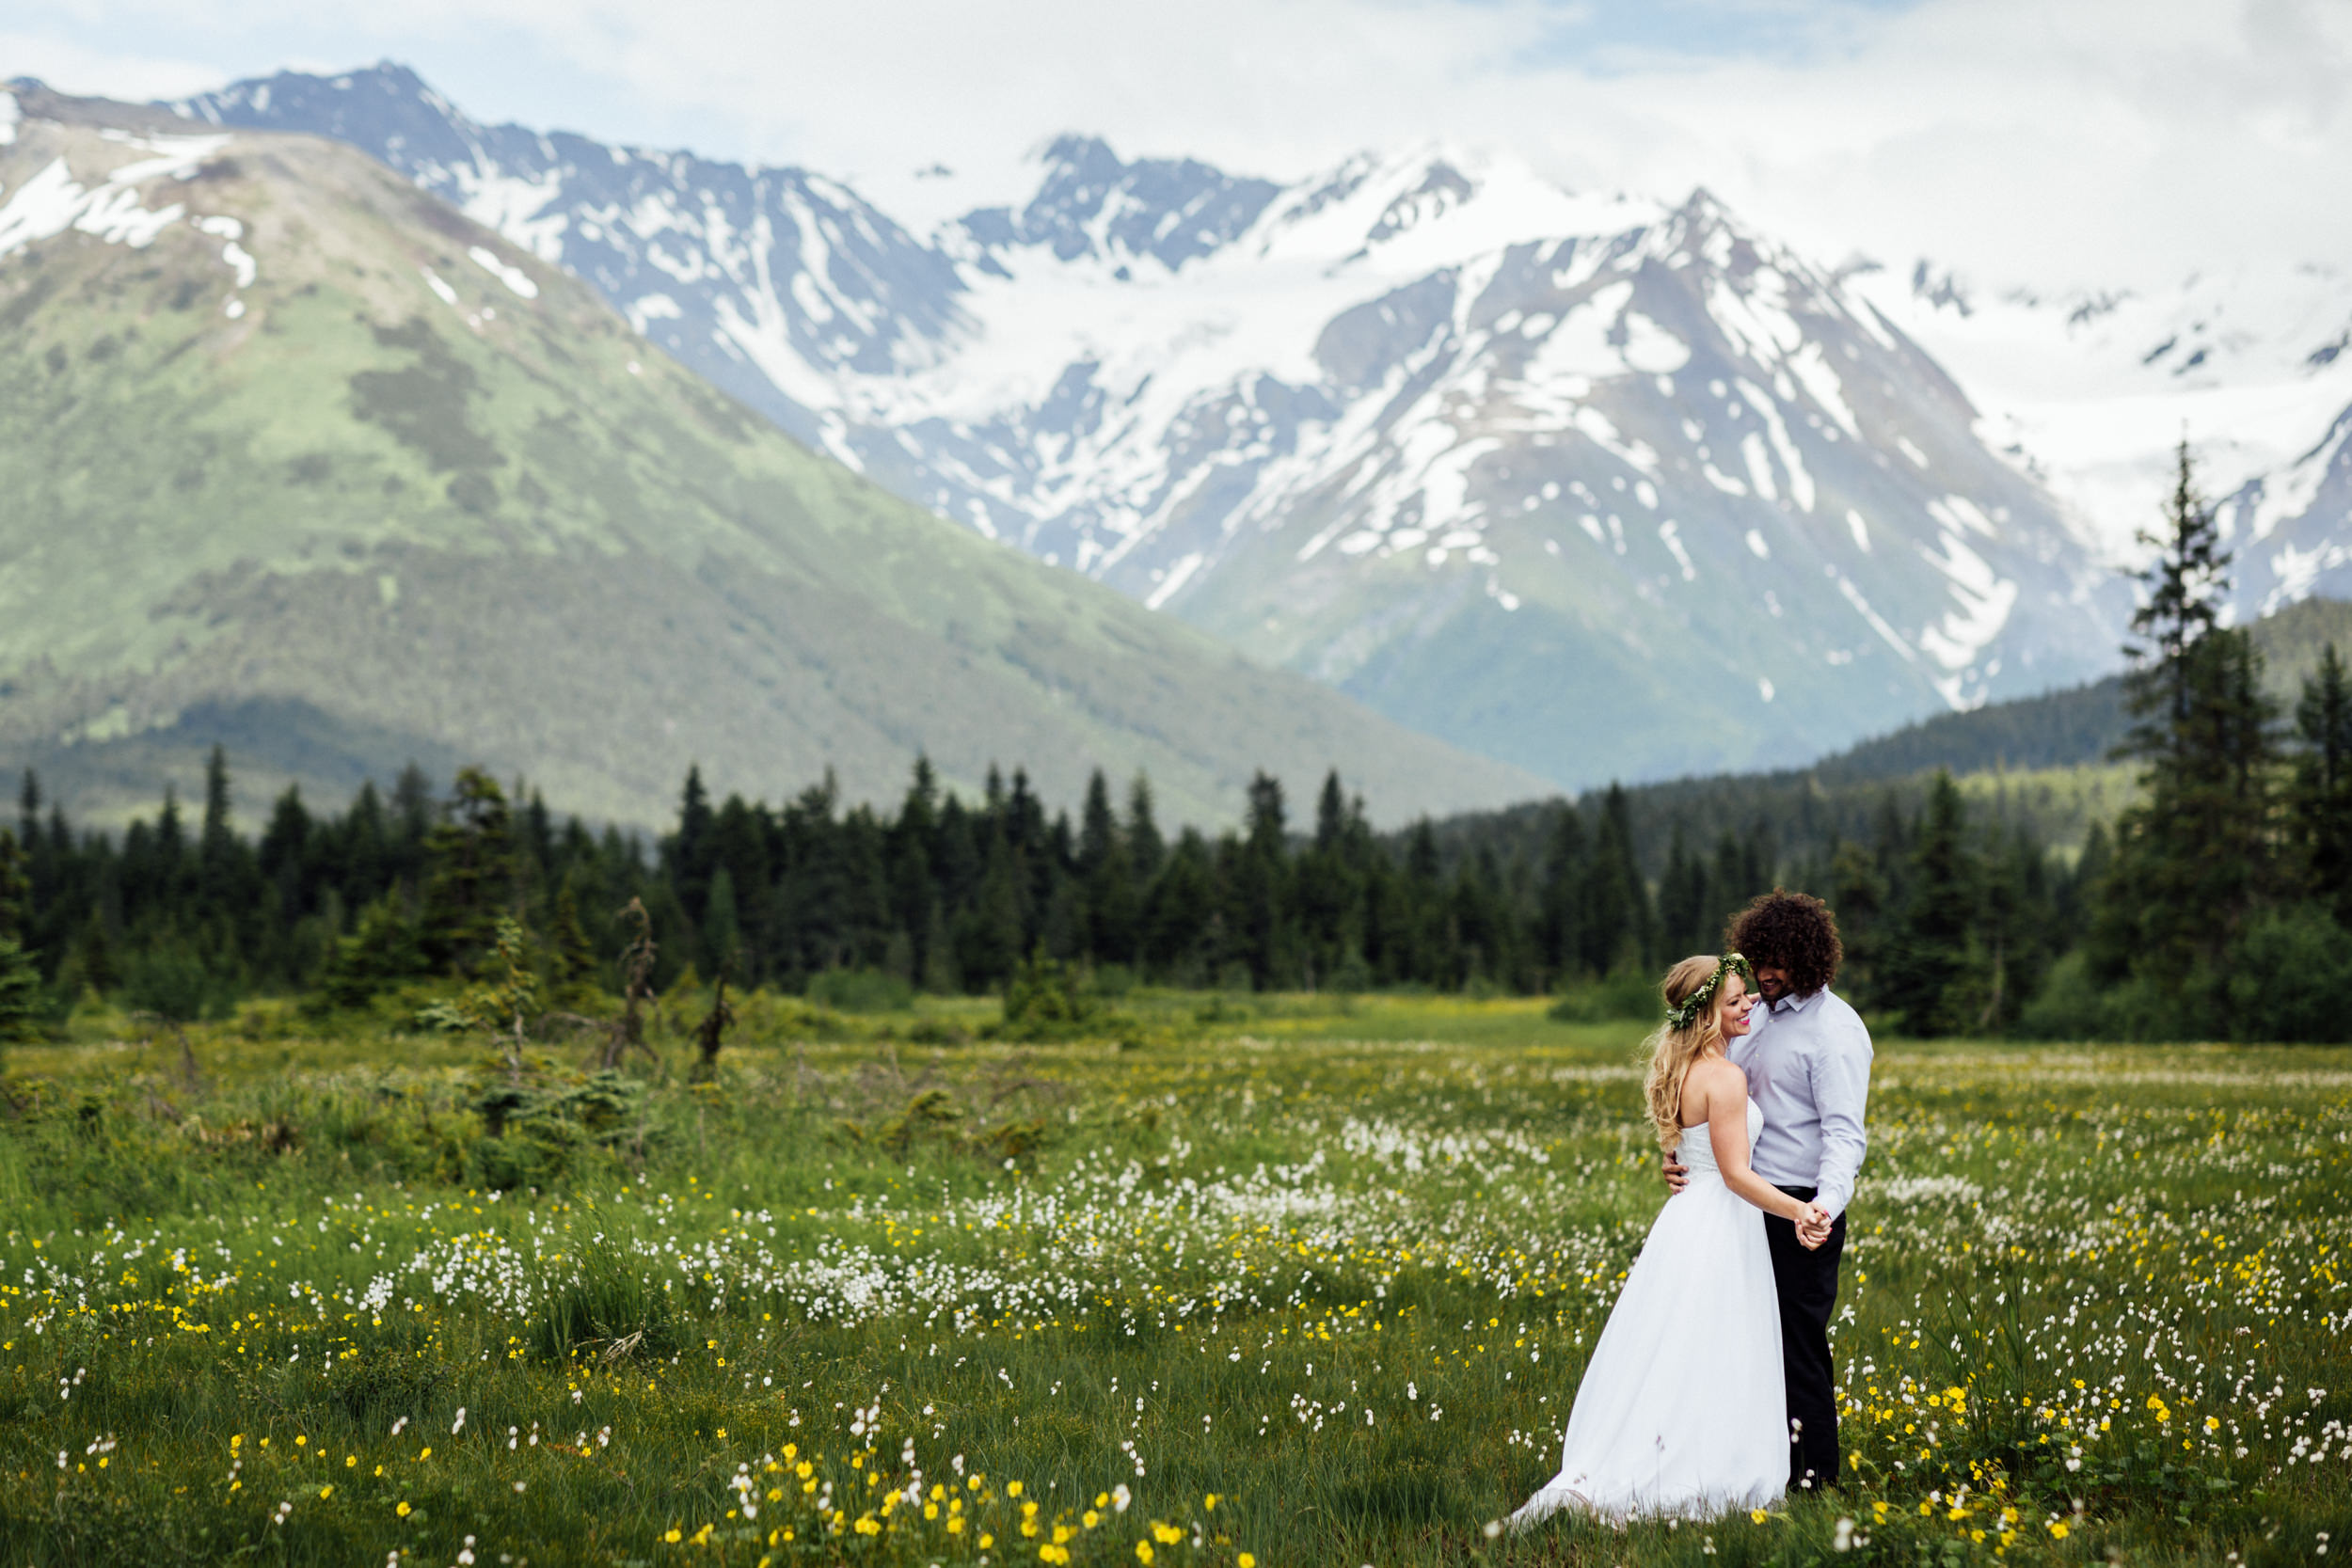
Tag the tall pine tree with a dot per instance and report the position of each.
(2320, 802)
(20, 977)
(1107, 877)
(2194, 856)
(1261, 891)
(1923, 977)
(470, 879)
(1620, 932)
(1682, 916)
(1560, 923)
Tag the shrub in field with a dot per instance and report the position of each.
(538, 1133)
(597, 1302)
(388, 1379)
(1618, 996)
(170, 981)
(860, 990)
(2293, 974)
(1049, 1000)
(22, 1010)
(2068, 1007)
(381, 953)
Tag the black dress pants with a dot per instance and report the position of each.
(1806, 1283)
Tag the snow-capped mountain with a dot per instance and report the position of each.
(2093, 391)
(301, 460)
(1600, 486)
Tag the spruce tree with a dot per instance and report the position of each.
(1682, 900)
(217, 842)
(2320, 802)
(2009, 946)
(1107, 882)
(1923, 978)
(940, 975)
(283, 856)
(469, 880)
(2194, 856)
(1485, 935)
(1620, 932)
(380, 952)
(912, 840)
(1261, 892)
(1561, 923)
(1860, 893)
(1742, 869)
(997, 927)
(16, 889)
(1328, 887)
(1146, 849)
(170, 873)
(367, 849)
(20, 976)
(93, 955)
(741, 844)
(537, 845)
(410, 823)
(20, 1004)
(2185, 582)
(1422, 936)
(690, 851)
(568, 935)
(720, 928)
(1180, 914)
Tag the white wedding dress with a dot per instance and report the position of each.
(1683, 1411)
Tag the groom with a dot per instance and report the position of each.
(1808, 1059)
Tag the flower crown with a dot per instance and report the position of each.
(1696, 1002)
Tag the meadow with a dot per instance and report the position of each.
(1272, 1281)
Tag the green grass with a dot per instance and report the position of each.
(1337, 1263)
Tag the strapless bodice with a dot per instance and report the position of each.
(1696, 1152)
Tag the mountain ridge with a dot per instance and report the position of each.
(2091, 389)
(1494, 457)
(2083, 724)
(285, 429)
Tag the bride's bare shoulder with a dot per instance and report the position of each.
(1715, 1071)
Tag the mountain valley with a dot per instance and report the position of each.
(1524, 470)
(299, 457)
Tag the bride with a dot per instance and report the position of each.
(1683, 1411)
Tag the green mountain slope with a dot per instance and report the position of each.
(2080, 724)
(294, 455)
(2043, 763)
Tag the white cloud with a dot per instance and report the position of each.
(72, 66)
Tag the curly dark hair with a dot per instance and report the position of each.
(1793, 931)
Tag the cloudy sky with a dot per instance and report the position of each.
(2053, 143)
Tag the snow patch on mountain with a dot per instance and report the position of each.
(112, 210)
(2089, 392)
(1343, 420)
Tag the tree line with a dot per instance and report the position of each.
(2220, 905)
(945, 894)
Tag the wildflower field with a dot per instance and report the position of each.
(1291, 1283)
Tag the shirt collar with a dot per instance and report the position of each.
(1794, 1003)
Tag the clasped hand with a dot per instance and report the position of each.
(1812, 1230)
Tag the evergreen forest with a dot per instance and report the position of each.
(2217, 906)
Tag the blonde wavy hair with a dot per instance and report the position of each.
(1672, 1050)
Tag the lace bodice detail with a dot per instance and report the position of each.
(1696, 1152)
